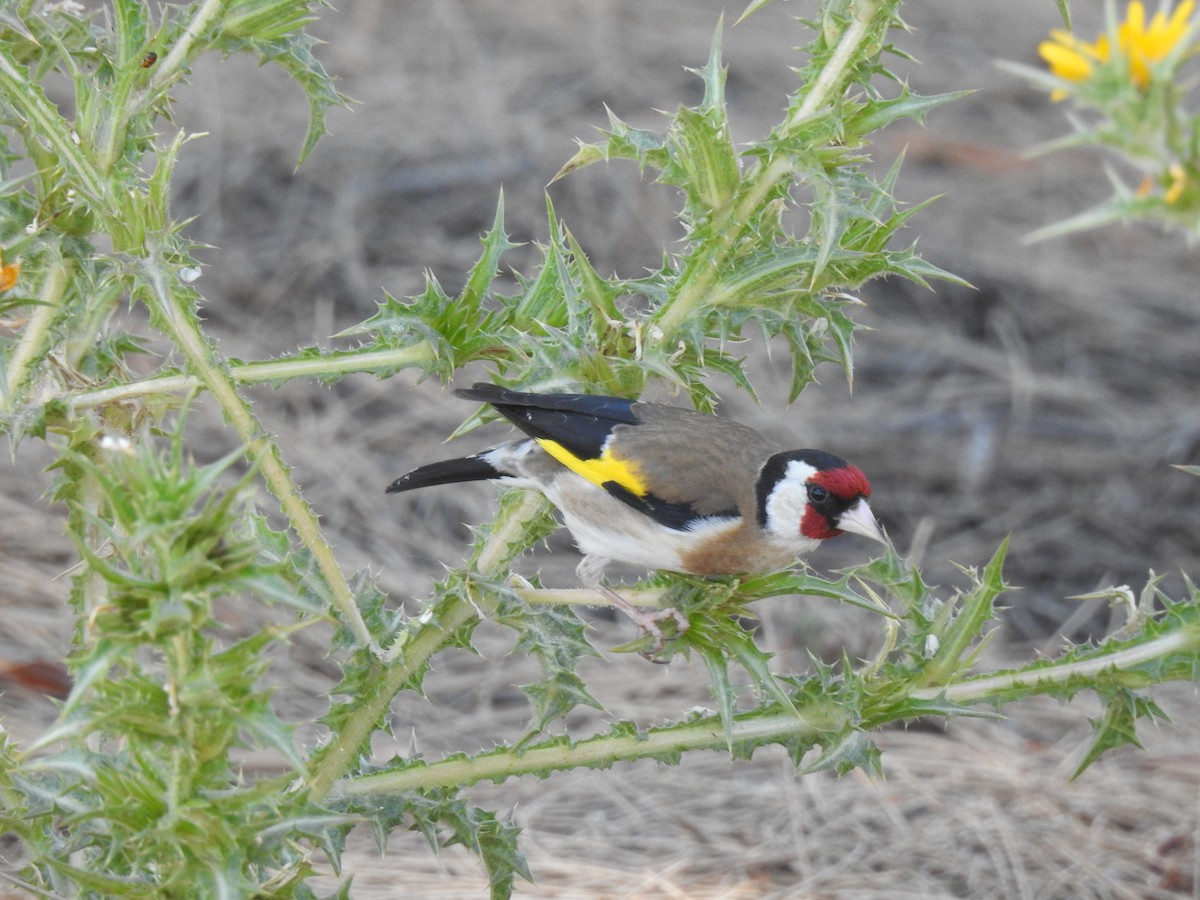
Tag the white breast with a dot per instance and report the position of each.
(604, 526)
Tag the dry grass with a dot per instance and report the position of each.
(1049, 403)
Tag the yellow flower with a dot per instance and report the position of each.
(1179, 180)
(1140, 45)
(1072, 59)
(1144, 46)
(8, 274)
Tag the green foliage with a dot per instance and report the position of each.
(142, 795)
(444, 820)
(555, 638)
(136, 790)
(825, 720)
(740, 267)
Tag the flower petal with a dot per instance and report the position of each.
(1135, 17)
(1065, 62)
(9, 275)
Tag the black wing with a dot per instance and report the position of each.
(581, 423)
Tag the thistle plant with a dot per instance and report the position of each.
(136, 791)
(1129, 96)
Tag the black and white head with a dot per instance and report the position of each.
(806, 496)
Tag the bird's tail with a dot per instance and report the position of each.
(448, 471)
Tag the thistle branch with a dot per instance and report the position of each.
(180, 322)
(816, 721)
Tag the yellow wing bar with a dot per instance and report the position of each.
(599, 471)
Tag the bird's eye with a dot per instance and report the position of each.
(817, 494)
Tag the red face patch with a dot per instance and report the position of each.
(845, 482)
(816, 526)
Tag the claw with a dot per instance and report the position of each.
(648, 621)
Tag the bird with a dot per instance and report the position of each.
(662, 487)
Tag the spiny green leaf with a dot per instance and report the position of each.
(721, 687)
(599, 294)
(274, 31)
(1117, 726)
(713, 74)
(445, 819)
(621, 142)
(1116, 209)
(806, 582)
(483, 273)
(541, 301)
(757, 663)
(553, 696)
(879, 114)
(830, 219)
(703, 162)
(752, 7)
(493, 841)
(908, 708)
(853, 749)
(290, 574)
(959, 639)
(555, 638)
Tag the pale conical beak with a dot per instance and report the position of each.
(859, 519)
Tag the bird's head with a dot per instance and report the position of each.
(811, 495)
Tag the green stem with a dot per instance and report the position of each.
(600, 751)
(183, 326)
(506, 539)
(648, 597)
(404, 659)
(833, 74)
(111, 141)
(812, 721)
(390, 680)
(43, 124)
(271, 370)
(35, 340)
(334, 364)
(730, 223)
(166, 70)
(1040, 680)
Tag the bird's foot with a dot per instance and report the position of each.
(648, 620)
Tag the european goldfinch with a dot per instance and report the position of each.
(663, 487)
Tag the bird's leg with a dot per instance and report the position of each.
(589, 572)
(646, 620)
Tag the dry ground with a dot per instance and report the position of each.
(1048, 402)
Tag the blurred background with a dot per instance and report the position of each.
(1048, 402)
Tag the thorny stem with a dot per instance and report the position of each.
(344, 746)
(167, 68)
(833, 73)
(978, 689)
(404, 659)
(648, 597)
(46, 125)
(185, 329)
(277, 370)
(698, 290)
(706, 734)
(813, 720)
(37, 332)
(496, 552)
